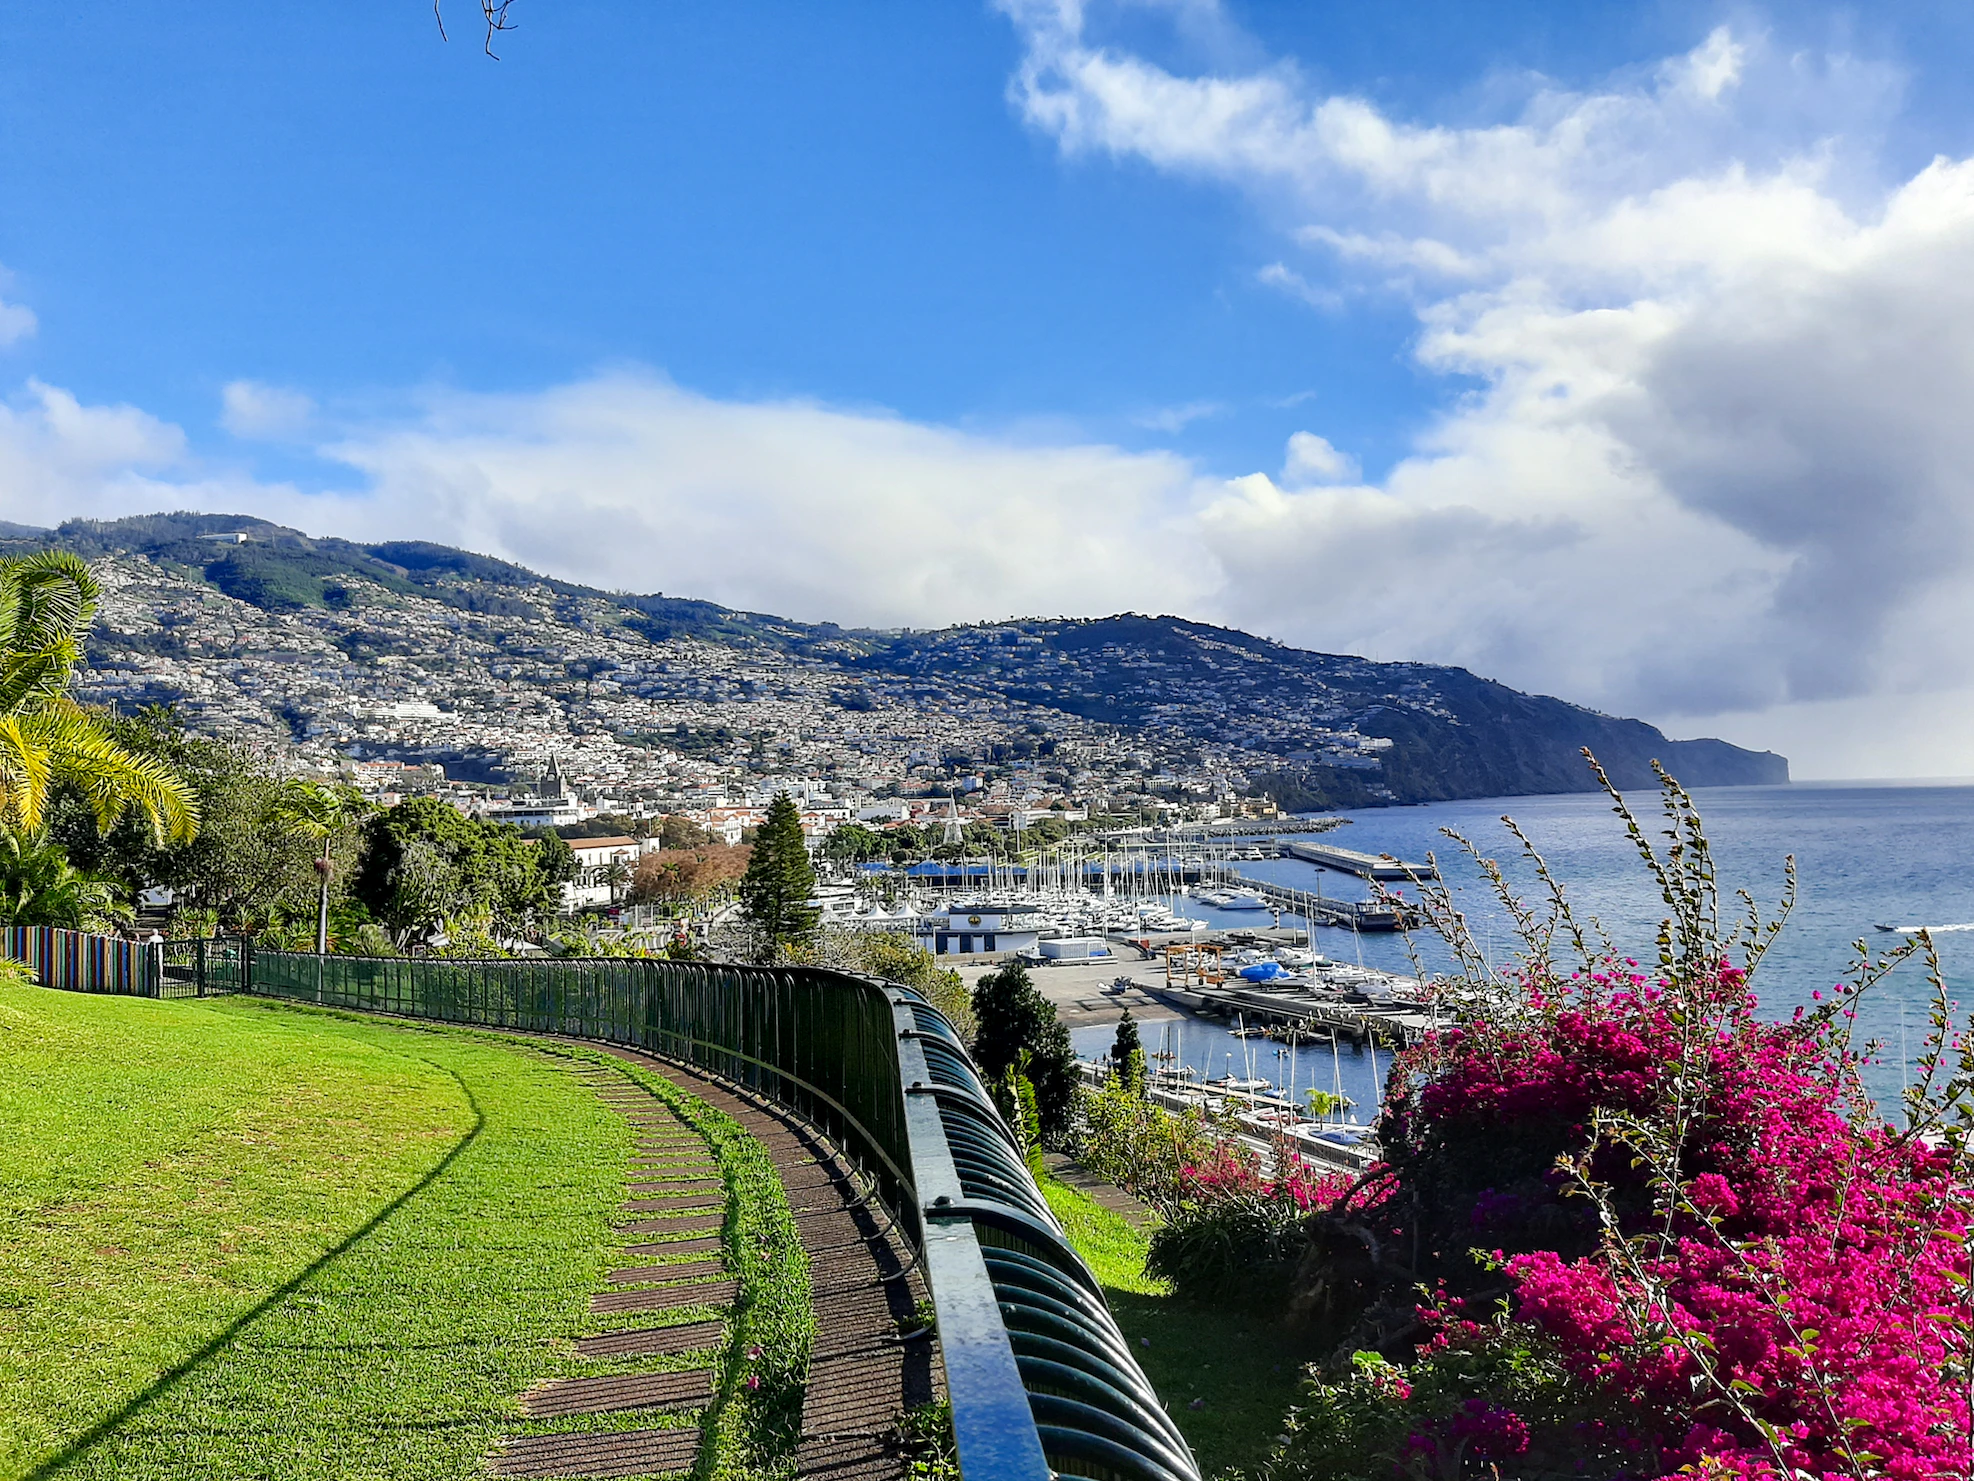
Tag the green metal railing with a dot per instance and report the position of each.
(1041, 1381)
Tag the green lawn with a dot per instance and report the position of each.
(1242, 1368)
(244, 1240)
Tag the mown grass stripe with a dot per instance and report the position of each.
(241, 1141)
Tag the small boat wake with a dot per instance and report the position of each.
(1930, 930)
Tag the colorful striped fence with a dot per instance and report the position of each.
(80, 962)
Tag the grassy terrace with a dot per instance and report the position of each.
(250, 1240)
(1242, 1368)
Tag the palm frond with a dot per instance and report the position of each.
(299, 806)
(37, 677)
(26, 773)
(110, 778)
(46, 599)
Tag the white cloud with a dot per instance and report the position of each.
(60, 459)
(16, 323)
(629, 481)
(626, 481)
(257, 412)
(1311, 459)
(1711, 68)
(1171, 419)
(1288, 280)
(1717, 461)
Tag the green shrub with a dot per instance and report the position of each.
(1240, 1251)
(1128, 1141)
(1496, 1400)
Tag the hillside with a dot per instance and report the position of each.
(422, 652)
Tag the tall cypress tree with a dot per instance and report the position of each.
(775, 891)
(1016, 1021)
(1127, 1055)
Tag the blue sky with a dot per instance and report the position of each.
(1572, 343)
(772, 200)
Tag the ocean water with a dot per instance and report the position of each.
(1865, 854)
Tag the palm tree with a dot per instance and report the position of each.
(47, 602)
(616, 874)
(39, 887)
(307, 810)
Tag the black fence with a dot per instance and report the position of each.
(200, 967)
(1041, 1381)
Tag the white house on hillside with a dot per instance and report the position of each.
(595, 858)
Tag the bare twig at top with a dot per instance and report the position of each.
(494, 12)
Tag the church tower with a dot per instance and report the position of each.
(551, 786)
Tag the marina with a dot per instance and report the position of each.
(1316, 1092)
(1243, 1017)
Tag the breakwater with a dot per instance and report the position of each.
(1351, 861)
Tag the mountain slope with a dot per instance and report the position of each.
(319, 633)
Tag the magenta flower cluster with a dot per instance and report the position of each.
(1770, 1277)
(1233, 1171)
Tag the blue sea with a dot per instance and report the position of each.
(1898, 855)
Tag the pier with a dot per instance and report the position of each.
(1263, 1118)
(1387, 1024)
(1348, 915)
(1350, 861)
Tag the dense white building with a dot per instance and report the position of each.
(966, 929)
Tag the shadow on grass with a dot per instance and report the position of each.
(178, 1372)
(1243, 1368)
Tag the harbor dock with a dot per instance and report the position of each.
(1348, 915)
(1357, 1020)
(1350, 861)
(1264, 1119)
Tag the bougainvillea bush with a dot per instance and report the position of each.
(1627, 1228)
(1233, 1236)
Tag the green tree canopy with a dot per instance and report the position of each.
(853, 843)
(1014, 1018)
(425, 862)
(556, 861)
(39, 887)
(249, 862)
(779, 883)
(895, 957)
(675, 832)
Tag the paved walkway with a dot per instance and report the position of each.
(871, 1362)
(1133, 1210)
